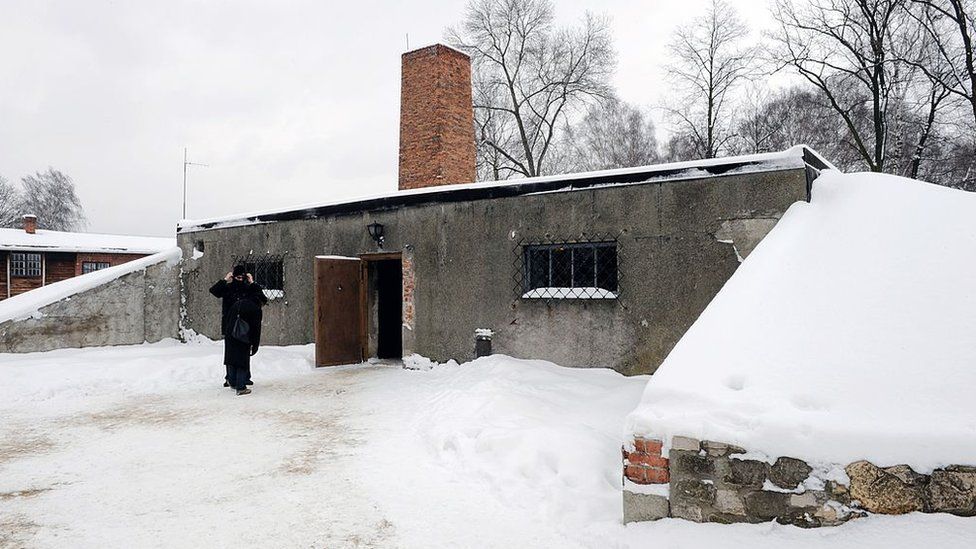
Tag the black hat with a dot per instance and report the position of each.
(239, 270)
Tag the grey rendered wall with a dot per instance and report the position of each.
(134, 308)
(679, 241)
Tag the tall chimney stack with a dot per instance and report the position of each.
(30, 224)
(436, 118)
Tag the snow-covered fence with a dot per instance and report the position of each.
(128, 304)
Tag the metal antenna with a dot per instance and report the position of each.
(185, 164)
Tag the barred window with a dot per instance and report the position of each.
(268, 271)
(92, 266)
(25, 265)
(578, 270)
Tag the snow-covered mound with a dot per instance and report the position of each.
(849, 333)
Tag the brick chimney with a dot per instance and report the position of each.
(30, 224)
(436, 118)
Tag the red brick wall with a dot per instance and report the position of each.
(58, 267)
(111, 259)
(436, 118)
(645, 464)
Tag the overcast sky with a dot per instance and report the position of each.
(287, 102)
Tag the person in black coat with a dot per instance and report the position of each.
(241, 298)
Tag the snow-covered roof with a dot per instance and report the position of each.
(847, 334)
(59, 241)
(796, 157)
(29, 304)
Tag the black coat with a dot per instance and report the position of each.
(238, 353)
(244, 299)
(232, 292)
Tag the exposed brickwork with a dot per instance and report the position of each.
(30, 224)
(409, 279)
(645, 464)
(436, 118)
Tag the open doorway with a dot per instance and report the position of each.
(384, 305)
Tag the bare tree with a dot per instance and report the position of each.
(710, 62)
(529, 77)
(51, 197)
(9, 198)
(612, 135)
(949, 25)
(848, 50)
(793, 116)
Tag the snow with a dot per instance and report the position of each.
(58, 241)
(28, 304)
(789, 158)
(140, 446)
(569, 293)
(847, 334)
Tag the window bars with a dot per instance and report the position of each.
(585, 268)
(268, 271)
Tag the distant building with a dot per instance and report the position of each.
(32, 258)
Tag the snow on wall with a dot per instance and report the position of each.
(29, 304)
(847, 334)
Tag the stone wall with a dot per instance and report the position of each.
(136, 307)
(705, 481)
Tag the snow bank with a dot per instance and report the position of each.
(61, 241)
(847, 334)
(29, 304)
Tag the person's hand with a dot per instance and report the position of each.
(250, 279)
(229, 277)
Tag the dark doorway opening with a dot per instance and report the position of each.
(385, 306)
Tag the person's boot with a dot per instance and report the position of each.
(226, 384)
(244, 391)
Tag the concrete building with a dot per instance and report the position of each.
(603, 269)
(31, 258)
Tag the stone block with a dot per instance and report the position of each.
(644, 507)
(685, 443)
(953, 490)
(789, 472)
(747, 473)
(806, 499)
(838, 492)
(729, 502)
(764, 505)
(695, 491)
(879, 491)
(686, 464)
(720, 449)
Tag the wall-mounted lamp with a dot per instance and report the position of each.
(376, 233)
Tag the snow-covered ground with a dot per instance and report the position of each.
(141, 447)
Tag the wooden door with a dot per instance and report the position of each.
(339, 314)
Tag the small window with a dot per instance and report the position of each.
(571, 271)
(92, 266)
(268, 271)
(25, 265)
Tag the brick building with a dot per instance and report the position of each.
(31, 258)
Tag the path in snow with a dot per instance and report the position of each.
(141, 447)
